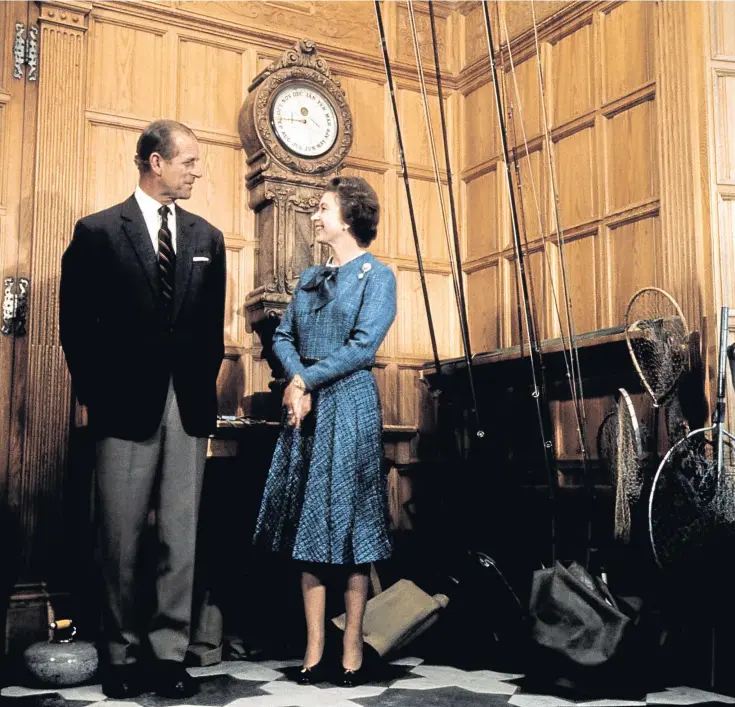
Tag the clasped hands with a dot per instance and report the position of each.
(296, 401)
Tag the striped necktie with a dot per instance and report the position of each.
(166, 260)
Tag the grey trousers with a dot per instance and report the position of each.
(127, 474)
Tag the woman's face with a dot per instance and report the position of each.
(327, 219)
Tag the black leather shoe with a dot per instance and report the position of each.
(121, 682)
(172, 680)
(353, 678)
(313, 675)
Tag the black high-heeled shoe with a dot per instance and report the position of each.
(353, 678)
(313, 675)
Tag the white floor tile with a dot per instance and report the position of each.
(278, 664)
(686, 696)
(407, 661)
(206, 671)
(254, 671)
(539, 701)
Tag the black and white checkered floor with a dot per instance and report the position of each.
(410, 683)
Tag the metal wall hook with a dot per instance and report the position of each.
(15, 306)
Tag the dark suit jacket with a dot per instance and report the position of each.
(120, 347)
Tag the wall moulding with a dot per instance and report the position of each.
(644, 93)
(66, 13)
(348, 60)
(632, 213)
(523, 46)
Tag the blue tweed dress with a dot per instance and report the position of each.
(325, 495)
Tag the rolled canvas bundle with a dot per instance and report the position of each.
(398, 615)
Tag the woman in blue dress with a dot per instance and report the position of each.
(324, 502)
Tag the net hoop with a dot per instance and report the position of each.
(701, 431)
(628, 323)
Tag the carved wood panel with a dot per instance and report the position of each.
(14, 215)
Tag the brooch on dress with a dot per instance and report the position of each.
(366, 267)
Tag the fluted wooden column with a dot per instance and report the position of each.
(680, 97)
(57, 202)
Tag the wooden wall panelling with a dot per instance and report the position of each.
(481, 141)
(405, 49)
(429, 224)
(484, 307)
(724, 112)
(633, 258)
(726, 230)
(719, 46)
(475, 42)
(532, 200)
(240, 266)
(723, 84)
(536, 276)
(483, 218)
(572, 61)
(414, 343)
(385, 378)
(631, 156)
(522, 99)
(628, 47)
(722, 32)
(41, 378)
(584, 272)
(415, 132)
(129, 81)
(235, 370)
(204, 103)
(415, 409)
(367, 99)
(347, 26)
(577, 174)
(604, 130)
(17, 128)
(566, 435)
(680, 95)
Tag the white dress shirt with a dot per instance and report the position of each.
(149, 206)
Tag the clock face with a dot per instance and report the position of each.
(304, 120)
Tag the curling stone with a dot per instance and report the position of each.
(61, 661)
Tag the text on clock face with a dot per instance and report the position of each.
(304, 121)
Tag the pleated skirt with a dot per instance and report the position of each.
(325, 495)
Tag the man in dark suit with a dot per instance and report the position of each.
(141, 322)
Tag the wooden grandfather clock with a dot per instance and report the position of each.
(296, 130)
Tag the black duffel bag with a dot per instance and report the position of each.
(583, 638)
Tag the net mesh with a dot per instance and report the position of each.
(677, 426)
(657, 337)
(692, 503)
(621, 450)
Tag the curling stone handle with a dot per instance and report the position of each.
(66, 625)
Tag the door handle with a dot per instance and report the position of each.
(15, 306)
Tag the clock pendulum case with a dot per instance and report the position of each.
(296, 129)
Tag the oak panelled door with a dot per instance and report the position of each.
(18, 95)
(41, 62)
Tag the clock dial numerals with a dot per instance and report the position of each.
(304, 120)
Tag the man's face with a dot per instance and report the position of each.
(327, 219)
(177, 175)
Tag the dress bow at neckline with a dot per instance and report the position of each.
(324, 283)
